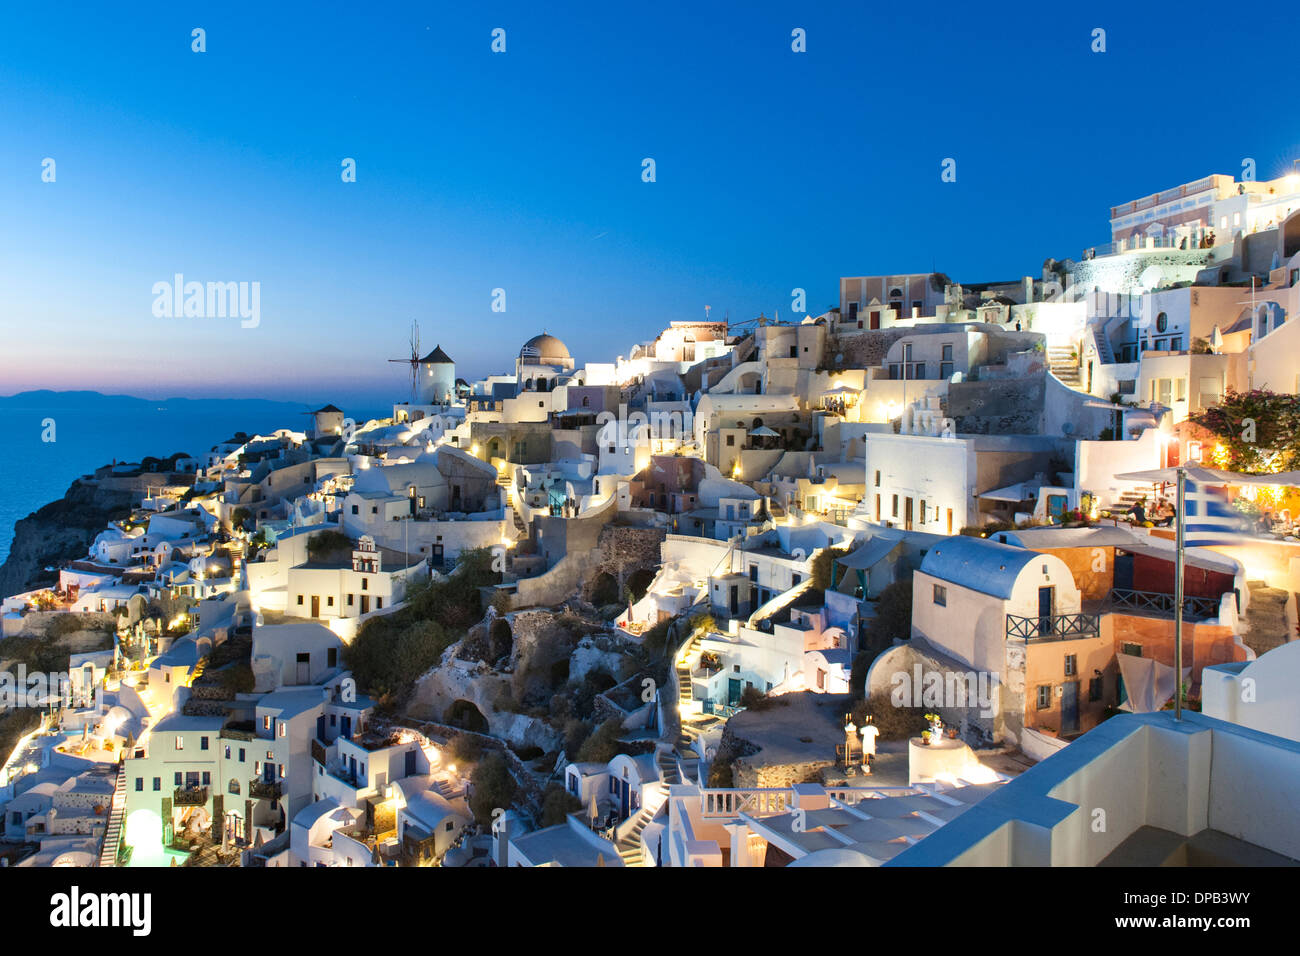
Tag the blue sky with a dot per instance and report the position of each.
(523, 170)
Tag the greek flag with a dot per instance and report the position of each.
(1210, 519)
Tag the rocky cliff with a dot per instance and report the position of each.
(60, 531)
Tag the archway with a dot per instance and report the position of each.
(144, 835)
(465, 715)
(604, 590)
(639, 582)
(501, 639)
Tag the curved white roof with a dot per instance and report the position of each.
(978, 564)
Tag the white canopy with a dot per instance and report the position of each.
(1212, 476)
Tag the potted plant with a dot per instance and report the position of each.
(925, 738)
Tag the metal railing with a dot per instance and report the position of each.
(263, 789)
(1053, 627)
(190, 796)
(1155, 602)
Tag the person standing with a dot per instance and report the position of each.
(869, 734)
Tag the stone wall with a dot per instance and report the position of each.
(998, 406)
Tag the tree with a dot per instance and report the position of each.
(494, 788)
(1257, 431)
(893, 621)
(557, 804)
(240, 517)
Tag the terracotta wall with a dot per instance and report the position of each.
(1045, 664)
(1093, 584)
(1203, 644)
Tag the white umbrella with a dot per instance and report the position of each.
(762, 431)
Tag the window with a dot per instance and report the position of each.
(157, 784)
(922, 511)
(895, 506)
(877, 477)
(300, 600)
(940, 595)
(1180, 390)
(266, 722)
(332, 657)
(365, 584)
(731, 440)
(349, 600)
(449, 826)
(283, 728)
(203, 743)
(207, 778)
(227, 753)
(178, 779)
(1162, 322)
(180, 742)
(946, 354)
(241, 754)
(379, 603)
(1094, 689)
(1071, 665)
(1044, 696)
(355, 509)
(1133, 650)
(139, 784)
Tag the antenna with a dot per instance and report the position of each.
(414, 360)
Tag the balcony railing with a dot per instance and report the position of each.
(263, 789)
(190, 796)
(1053, 627)
(1154, 602)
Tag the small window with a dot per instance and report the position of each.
(449, 825)
(1071, 665)
(1044, 696)
(1094, 689)
(180, 742)
(139, 784)
(203, 743)
(895, 506)
(731, 440)
(355, 509)
(157, 784)
(1162, 322)
(877, 477)
(940, 595)
(300, 600)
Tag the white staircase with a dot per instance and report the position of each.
(117, 810)
(1064, 364)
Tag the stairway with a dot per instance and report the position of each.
(117, 809)
(666, 760)
(629, 847)
(1266, 618)
(1127, 499)
(1063, 365)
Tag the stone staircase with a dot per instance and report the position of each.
(117, 810)
(1266, 618)
(629, 846)
(1127, 499)
(1063, 366)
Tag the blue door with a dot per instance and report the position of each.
(410, 763)
(623, 799)
(1070, 708)
(345, 727)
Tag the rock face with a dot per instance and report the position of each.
(60, 531)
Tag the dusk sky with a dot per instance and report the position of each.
(522, 170)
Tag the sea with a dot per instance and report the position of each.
(91, 429)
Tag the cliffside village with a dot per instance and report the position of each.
(776, 592)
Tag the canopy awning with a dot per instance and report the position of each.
(1212, 476)
(869, 555)
(762, 431)
(1014, 493)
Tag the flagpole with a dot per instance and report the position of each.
(1178, 595)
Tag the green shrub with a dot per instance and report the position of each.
(557, 804)
(494, 788)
